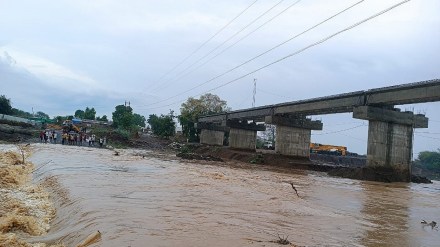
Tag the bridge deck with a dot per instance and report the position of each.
(418, 92)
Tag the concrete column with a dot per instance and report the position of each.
(242, 138)
(292, 141)
(293, 134)
(390, 139)
(390, 146)
(212, 137)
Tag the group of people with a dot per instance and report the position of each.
(78, 139)
(47, 136)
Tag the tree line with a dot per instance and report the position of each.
(429, 160)
(123, 117)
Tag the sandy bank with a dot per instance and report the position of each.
(25, 208)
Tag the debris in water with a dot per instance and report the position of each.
(116, 153)
(119, 169)
(91, 239)
(282, 240)
(432, 224)
(293, 187)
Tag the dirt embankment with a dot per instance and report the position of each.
(25, 209)
(356, 171)
(245, 156)
(12, 133)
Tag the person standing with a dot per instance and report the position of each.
(55, 135)
(41, 136)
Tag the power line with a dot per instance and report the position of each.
(430, 137)
(426, 132)
(285, 57)
(233, 44)
(261, 54)
(338, 131)
(314, 44)
(354, 138)
(225, 41)
(204, 43)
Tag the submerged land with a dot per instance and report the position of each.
(29, 205)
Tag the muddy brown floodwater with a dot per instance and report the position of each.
(159, 200)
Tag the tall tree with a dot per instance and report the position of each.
(193, 108)
(89, 113)
(5, 105)
(122, 117)
(139, 120)
(164, 125)
(79, 114)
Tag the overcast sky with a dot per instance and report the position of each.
(60, 56)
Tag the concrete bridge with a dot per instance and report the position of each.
(390, 131)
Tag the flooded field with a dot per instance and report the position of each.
(141, 198)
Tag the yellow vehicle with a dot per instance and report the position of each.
(328, 149)
(69, 126)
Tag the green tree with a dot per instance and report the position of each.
(59, 120)
(192, 109)
(89, 113)
(79, 114)
(41, 114)
(164, 125)
(103, 118)
(122, 117)
(20, 113)
(139, 120)
(5, 105)
(428, 159)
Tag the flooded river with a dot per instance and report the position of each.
(159, 200)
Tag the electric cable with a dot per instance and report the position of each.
(283, 58)
(204, 43)
(224, 42)
(261, 54)
(430, 137)
(338, 131)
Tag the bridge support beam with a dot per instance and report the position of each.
(212, 134)
(243, 135)
(212, 137)
(293, 134)
(390, 139)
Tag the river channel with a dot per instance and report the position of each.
(143, 198)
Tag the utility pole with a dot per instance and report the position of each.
(255, 92)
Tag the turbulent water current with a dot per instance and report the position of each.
(143, 198)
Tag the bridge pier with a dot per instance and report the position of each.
(243, 135)
(390, 139)
(293, 134)
(212, 134)
(212, 137)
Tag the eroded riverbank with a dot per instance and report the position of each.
(25, 208)
(143, 198)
